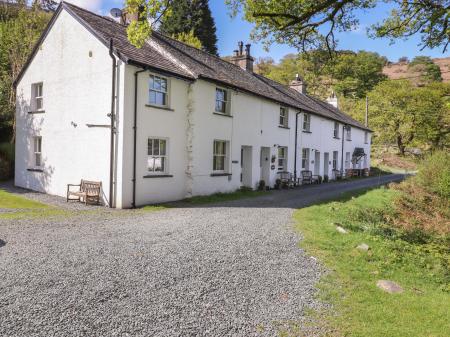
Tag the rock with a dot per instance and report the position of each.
(389, 286)
(364, 247)
(341, 230)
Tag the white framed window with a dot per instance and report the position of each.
(158, 91)
(220, 156)
(366, 137)
(157, 155)
(222, 101)
(335, 160)
(336, 130)
(37, 90)
(282, 158)
(307, 122)
(347, 160)
(37, 151)
(284, 117)
(348, 133)
(305, 159)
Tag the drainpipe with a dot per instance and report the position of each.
(112, 116)
(344, 127)
(136, 73)
(295, 149)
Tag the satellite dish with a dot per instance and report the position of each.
(116, 12)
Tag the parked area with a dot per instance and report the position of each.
(206, 270)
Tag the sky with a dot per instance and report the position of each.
(231, 30)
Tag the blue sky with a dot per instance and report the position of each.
(232, 30)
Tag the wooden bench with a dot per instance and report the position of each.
(337, 174)
(87, 190)
(306, 177)
(287, 180)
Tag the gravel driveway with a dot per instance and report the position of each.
(233, 269)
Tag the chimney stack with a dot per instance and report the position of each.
(333, 99)
(245, 61)
(298, 84)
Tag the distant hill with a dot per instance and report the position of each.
(400, 69)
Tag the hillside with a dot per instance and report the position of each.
(400, 69)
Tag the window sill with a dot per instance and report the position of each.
(35, 170)
(159, 107)
(336, 138)
(220, 174)
(36, 112)
(283, 127)
(221, 114)
(98, 126)
(158, 176)
(348, 140)
(306, 131)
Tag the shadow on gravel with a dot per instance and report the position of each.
(2, 243)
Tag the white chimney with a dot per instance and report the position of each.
(333, 100)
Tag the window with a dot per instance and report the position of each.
(282, 158)
(347, 160)
(366, 137)
(37, 151)
(158, 91)
(220, 156)
(284, 117)
(38, 97)
(336, 130)
(222, 101)
(157, 155)
(348, 133)
(335, 160)
(305, 159)
(307, 122)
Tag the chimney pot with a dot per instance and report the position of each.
(247, 49)
(245, 61)
(241, 47)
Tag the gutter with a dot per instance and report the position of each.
(112, 115)
(295, 149)
(136, 73)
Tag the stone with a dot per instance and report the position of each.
(364, 247)
(389, 286)
(341, 230)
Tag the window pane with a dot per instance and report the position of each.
(39, 104)
(151, 164)
(150, 147)
(39, 90)
(158, 164)
(157, 83)
(152, 98)
(152, 82)
(164, 84)
(162, 147)
(38, 159)
(155, 147)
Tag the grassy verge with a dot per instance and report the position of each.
(359, 307)
(207, 199)
(20, 207)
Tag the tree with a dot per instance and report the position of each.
(195, 16)
(312, 24)
(188, 38)
(429, 70)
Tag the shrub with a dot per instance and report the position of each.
(261, 185)
(6, 161)
(434, 174)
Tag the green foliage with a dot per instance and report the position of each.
(419, 262)
(434, 173)
(192, 17)
(312, 24)
(188, 38)
(6, 161)
(425, 65)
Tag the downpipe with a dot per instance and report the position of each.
(295, 149)
(112, 116)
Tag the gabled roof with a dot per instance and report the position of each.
(172, 57)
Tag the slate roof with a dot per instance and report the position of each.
(173, 57)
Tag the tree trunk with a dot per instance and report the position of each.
(401, 146)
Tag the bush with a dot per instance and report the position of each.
(434, 174)
(6, 161)
(261, 185)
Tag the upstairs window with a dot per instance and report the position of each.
(284, 117)
(37, 151)
(305, 159)
(158, 91)
(37, 103)
(282, 159)
(307, 122)
(220, 156)
(348, 133)
(366, 137)
(336, 130)
(157, 155)
(222, 101)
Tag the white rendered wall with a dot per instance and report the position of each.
(77, 91)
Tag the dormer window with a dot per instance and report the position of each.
(158, 91)
(307, 122)
(284, 117)
(222, 101)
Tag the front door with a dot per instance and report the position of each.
(246, 166)
(326, 162)
(317, 163)
(265, 164)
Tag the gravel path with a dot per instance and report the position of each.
(220, 270)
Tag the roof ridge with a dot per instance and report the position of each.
(67, 3)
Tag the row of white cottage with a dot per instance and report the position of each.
(173, 138)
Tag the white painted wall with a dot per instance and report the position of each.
(77, 91)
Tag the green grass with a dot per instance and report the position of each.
(359, 307)
(12, 201)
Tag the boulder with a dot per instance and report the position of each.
(389, 286)
(364, 247)
(341, 230)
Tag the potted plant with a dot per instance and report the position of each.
(326, 178)
(277, 184)
(261, 185)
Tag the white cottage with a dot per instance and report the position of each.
(166, 121)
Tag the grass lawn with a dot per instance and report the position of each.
(22, 207)
(359, 307)
(206, 199)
